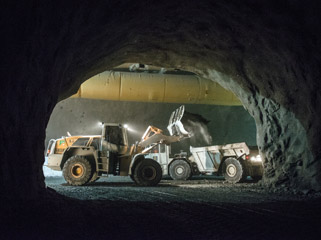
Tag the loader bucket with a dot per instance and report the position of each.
(175, 126)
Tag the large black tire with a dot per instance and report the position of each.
(190, 176)
(147, 173)
(180, 170)
(77, 171)
(233, 171)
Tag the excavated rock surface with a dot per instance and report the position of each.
(288, 161)
(269, 51)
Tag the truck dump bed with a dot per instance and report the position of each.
(234, 149)
(208, 159)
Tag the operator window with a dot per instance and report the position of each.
(81, 142)
(95, 143)
(114, 134)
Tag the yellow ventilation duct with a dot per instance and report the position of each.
(155, 87)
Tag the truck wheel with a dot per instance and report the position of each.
(190, 176)
(148, 173)
(77, 171)
(180, 170)
(233, 170)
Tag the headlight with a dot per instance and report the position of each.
(256, 158)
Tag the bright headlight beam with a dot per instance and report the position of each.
(256, 158)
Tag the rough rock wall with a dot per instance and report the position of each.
(288, 160)
(227, 124)
(268, 48)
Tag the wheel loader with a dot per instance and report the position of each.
(84, 159)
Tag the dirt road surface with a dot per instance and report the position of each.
(202, 208)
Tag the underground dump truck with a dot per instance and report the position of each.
(84, 159)
(234, 161)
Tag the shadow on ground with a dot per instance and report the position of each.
(203, 208)
(56, 217)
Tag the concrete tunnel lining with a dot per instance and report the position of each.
(255, 48)
(178, 87)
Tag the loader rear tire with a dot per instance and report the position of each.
(77, 171)
(148, 173)
(180, 170)
(233, 171)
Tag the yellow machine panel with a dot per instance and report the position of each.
(63, 143)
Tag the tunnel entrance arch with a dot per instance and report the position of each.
(281, 137)
(267, 124)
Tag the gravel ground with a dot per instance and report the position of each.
(202, 208)
(209, 189)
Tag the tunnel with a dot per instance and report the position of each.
(266, 52)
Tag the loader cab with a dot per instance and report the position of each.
(114, 138)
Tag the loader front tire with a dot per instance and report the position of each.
(147, 173)
(233, 171)
(77, 171)
(180, 170)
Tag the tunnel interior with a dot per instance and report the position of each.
(267, 53)
(255, 52)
